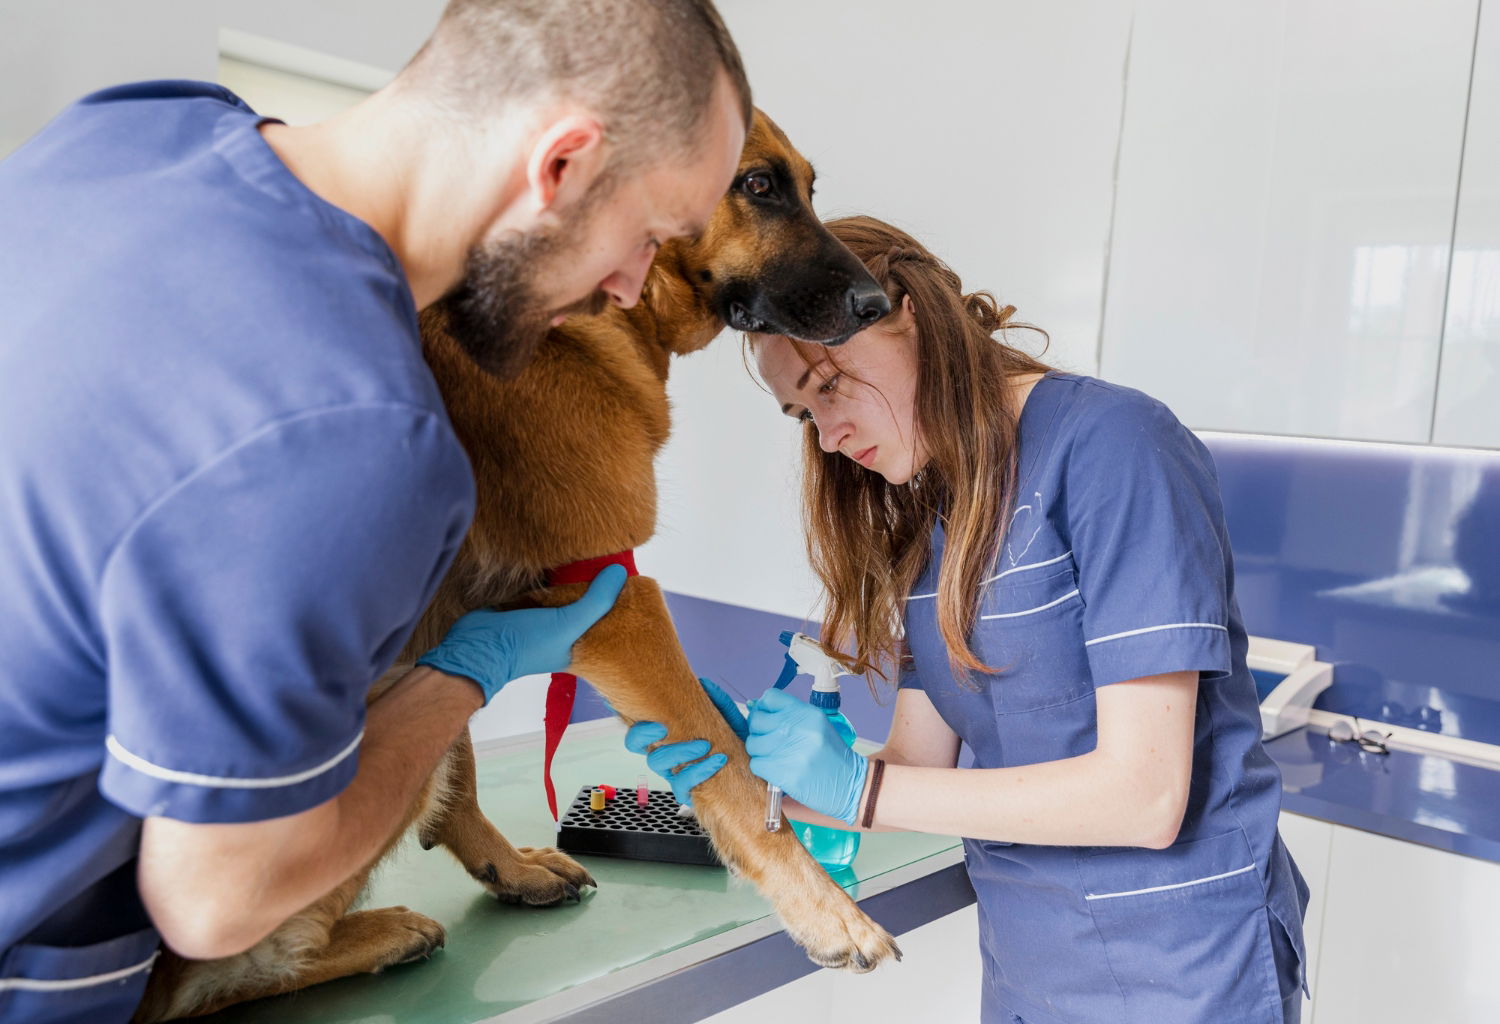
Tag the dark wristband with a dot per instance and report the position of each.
(877, 772)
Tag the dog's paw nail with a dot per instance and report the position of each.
(896, 952)
(860, 962)
(572, 894)
(589, 881)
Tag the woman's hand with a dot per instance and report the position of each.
(688, 764)
(793, 745)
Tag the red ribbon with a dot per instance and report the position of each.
(563, 688)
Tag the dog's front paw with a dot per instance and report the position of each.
(403, 936)
(847, 938)
(542, 877)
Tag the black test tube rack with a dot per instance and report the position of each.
(626, 829)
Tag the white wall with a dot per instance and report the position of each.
(382, 34)
(51, 53)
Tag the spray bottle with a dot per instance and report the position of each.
(834, 848)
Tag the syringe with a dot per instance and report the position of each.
(773, 808)
(804, 654)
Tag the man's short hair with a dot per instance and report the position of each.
(646, 68)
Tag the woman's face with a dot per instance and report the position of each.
(861, 396)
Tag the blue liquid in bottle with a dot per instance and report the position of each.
(831, 847)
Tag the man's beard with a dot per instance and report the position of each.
(497, 313)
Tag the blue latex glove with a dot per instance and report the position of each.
(793, 745)
(491, 648)
(685, 764)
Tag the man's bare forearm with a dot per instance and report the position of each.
(214, 890)
(406, 733)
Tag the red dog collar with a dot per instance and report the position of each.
(563, 688)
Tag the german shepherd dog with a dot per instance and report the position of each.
(562, 456)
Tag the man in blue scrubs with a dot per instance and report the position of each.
(228, 486)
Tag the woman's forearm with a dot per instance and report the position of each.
(1090, 800)
(1130, 790)
(797, 812)
(1081, 801)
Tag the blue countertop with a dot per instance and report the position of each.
(1420, 798)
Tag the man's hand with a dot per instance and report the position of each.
(492, 648)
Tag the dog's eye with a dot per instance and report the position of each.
(758, 185)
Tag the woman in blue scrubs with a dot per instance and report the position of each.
(1045, 556)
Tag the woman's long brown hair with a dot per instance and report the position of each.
(867, 539)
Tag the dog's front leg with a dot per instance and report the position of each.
(635, 660)
(540, 877)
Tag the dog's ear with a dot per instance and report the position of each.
(675, 297)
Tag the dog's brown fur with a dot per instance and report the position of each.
(562, 456)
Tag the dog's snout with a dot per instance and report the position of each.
(868, 302)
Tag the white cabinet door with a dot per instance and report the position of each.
(1284, 208)
(936, 980)
(1467, 410)
(1309, 841)
(1409, 934)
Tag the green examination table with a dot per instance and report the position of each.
(652, 936)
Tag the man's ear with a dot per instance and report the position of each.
(565, 160)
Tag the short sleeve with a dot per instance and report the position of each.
(1148, 539)
(907, 677)
(247, 611)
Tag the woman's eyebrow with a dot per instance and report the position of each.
(802, 380)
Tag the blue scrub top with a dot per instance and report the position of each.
(228, 488)
(1116, 565)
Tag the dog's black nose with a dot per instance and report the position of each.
(868, 302)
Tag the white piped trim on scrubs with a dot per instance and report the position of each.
(1154, 629)
(1165, 888)
(1007, 572)
(63, 984)
(145, 767)
(1033, 611)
